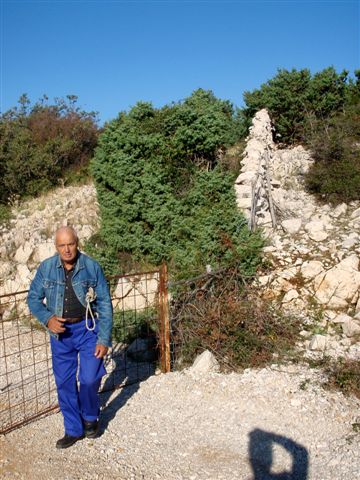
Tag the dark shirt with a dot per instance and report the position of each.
(72, 307)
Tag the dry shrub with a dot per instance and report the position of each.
(222, 313)
(344, 375)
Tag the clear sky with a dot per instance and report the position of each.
(112, 54)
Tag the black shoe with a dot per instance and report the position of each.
(67, 441)
(91, 428)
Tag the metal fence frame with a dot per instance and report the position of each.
(21, 337)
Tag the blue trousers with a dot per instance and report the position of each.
(72, 357)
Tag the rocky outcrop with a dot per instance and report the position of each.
(314, 248)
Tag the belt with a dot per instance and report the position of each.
(74, 320)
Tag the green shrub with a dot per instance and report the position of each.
(294, 96)
(162, 193)
(335, 145)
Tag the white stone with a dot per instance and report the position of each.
(349, 263)
(339, 210)
(290, 295)
(291, 226)
(43, 251)
(311, 269)
(355, 213)
(338, 285)
(243, 191)
(243, 202)
(318, 342)
(318, 235)
(349, 243)
(24, 273)
(341, 318)
(351, 327)
(205, 363)
(246, 178)
(23, 253)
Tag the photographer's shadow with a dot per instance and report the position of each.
(261, 456)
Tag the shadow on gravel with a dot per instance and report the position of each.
(261, 456)
(130, 375)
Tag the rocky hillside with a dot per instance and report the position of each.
(313, 248)
(30, 238)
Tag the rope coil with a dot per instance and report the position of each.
(90, 297)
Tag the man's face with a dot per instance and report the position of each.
(66, 245)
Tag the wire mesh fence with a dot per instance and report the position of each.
(140, 345)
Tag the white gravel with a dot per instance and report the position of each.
(216, 426)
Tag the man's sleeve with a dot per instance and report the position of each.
(104, 309)
(35, 299)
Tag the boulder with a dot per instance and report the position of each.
(356, 213)
(205, 363)
(44, 250)
(311, 269)
(291, 226)
(337, 286)
(339, 210)
(316, 230)
(341, 318)
(290, 295)
(246, 178)
(351, 327)
(23, 253)
(318, 342)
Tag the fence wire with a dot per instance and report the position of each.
(27, 387)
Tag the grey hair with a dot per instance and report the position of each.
(67, 229)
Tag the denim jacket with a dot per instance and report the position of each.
(49, 285)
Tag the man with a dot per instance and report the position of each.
(71, 283)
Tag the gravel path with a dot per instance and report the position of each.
(215, 426)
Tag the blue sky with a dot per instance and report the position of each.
(112, 54)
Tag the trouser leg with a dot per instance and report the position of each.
(65, 362)
(90, 373)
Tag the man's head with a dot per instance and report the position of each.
(66, 243)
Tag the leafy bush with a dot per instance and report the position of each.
(40, 143)
(163, 195)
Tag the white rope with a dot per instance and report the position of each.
(90, 297)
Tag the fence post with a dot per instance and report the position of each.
(164, 320)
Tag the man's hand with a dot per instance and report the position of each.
(100, 351)
(56, 324)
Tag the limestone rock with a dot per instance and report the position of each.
(356, 213)
(205, 363)
(23, 253)
(341, 318)
(292, 225)
(337, 286)
(43, 251)
(311, 269)
(351, 327)
(290, 295)
(339, 210)
(316, 230)
(318, 342)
